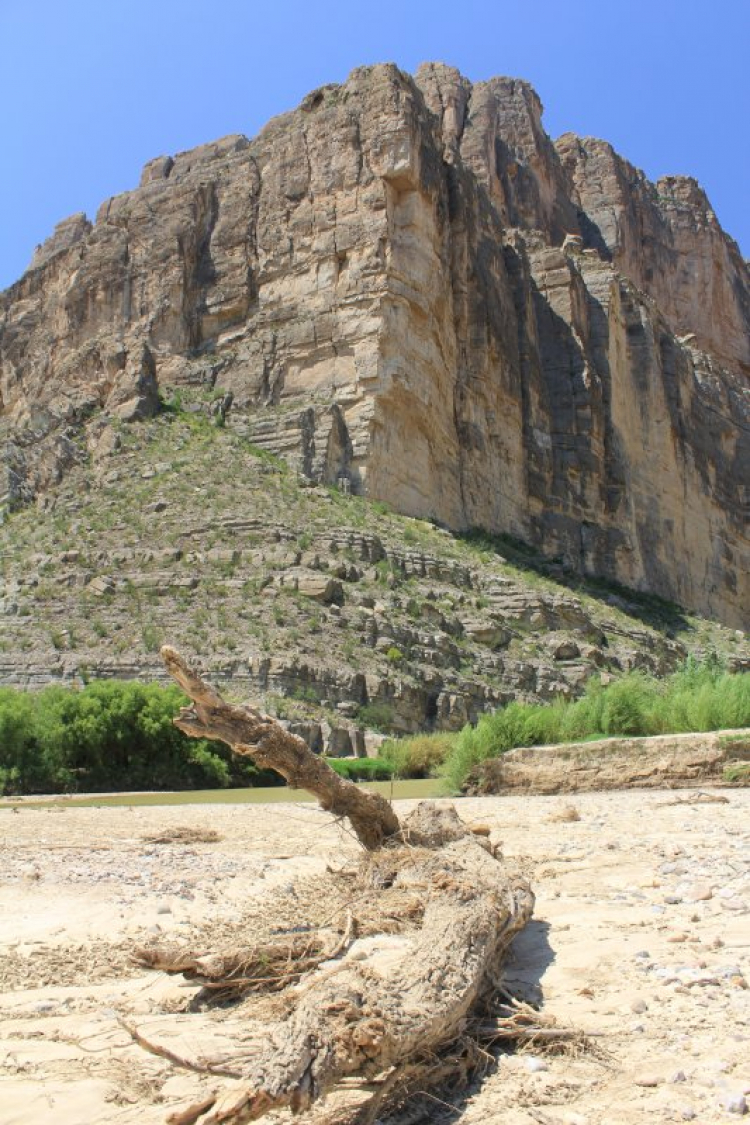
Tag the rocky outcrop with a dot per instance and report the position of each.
(324, 609)
(405, 287)
(667, 240)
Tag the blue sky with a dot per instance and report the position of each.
(91, 90)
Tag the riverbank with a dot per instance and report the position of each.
(640, 938)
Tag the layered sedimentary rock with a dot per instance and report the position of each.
(405, 285)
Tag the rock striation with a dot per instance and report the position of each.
(406, 287)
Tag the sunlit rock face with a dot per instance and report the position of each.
(405, 285)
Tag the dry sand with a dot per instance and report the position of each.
(641, 937)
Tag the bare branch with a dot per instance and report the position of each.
(252, 734)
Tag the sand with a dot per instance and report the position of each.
(641, 938)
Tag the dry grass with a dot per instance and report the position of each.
(183, 835)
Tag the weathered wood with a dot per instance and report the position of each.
(381, 1022)
(252, 734)
(363, 1022)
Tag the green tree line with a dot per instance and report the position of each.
(110, 735)
(118, 735)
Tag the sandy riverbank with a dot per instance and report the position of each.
(641, 935)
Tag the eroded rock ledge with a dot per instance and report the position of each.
(405, 285)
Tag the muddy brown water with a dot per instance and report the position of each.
(397, 790)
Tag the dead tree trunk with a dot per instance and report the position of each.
(252, 734)
(381, 1026)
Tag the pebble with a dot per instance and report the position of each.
(678, 1076)
(648, 1080)
(164, 908)
(736, 1104)
(639, 1006)
(535, 1065)
(688, 1113)
(698, 892)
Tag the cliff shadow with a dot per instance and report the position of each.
(555, 361)
(665, 616)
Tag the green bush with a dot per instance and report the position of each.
(416, 757)
(376, 716)
(109, 735)
(361, 769)
(697, 697)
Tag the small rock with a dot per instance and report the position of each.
(639, 1006)
(672, 900)
(698, 892)
(736, 1104)
(101, 585)
(164, 908)
(648, 1080)
(687, 1113)
(678, 1076)
(535, 1065)
(676, 938)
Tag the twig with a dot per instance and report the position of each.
(171, 1056)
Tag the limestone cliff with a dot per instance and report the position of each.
(406, 285)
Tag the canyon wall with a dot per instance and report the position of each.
(405, 285)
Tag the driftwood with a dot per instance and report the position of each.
(367, 1033)
(252, 734)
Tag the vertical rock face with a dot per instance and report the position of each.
(667, 240)
(404, 283)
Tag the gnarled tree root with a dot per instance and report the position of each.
(375, 1021)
